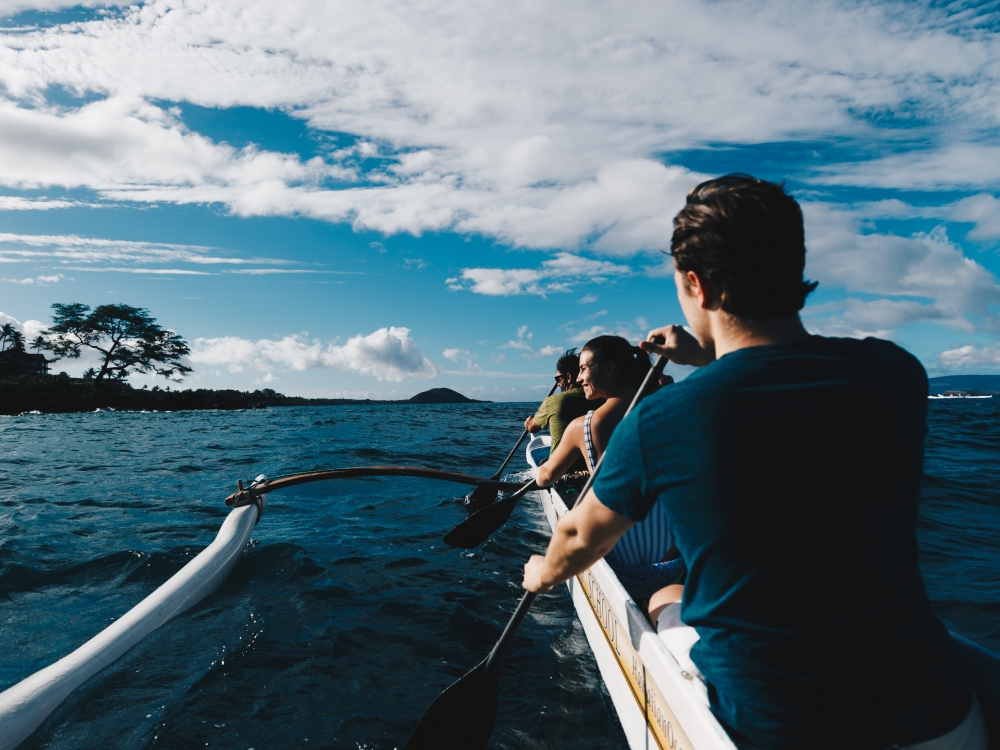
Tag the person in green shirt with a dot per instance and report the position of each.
(559, 410)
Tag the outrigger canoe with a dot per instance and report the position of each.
(658, 694)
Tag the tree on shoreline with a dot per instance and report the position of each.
(127, 337)
(11, 339)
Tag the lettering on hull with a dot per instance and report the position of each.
(659, 717)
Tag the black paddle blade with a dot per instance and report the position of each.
(462, 717)
(479, 498)
(477, 528)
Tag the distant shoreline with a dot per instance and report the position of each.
(61, 394)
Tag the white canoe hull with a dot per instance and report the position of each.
(24, 706)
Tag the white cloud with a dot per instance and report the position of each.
(926, 266)
(588, 299)
(525, 122)
(634, 331)
(983, 210)
(39, 280)
(17, 203)
(523, 344)
(15, 248)
(971, 356)
(455, 354)
(557, 274)
(387, 354)
(30, 328)
(856, 318)
(954, 165)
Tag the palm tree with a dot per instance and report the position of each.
(38, 343)
(6, 333)
(17, 341)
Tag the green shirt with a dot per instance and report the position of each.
(558, 411)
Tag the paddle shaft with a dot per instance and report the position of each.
(520, 440)
(493, 662)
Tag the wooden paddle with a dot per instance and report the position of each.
(483, 495)
(463, 716)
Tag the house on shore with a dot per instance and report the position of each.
(15, 362)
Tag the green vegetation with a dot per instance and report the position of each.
(59, 394)
(127, 338)
(11, 339)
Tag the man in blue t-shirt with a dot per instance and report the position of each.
(789, 466)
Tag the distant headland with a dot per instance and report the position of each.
(61, 394)
(442, 396)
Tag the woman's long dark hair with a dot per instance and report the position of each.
(631, 361)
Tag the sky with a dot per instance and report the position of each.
(370, 198)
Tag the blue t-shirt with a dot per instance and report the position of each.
(791, 474)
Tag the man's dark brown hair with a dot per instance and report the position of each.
(744, 237)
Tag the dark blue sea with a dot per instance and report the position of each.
(347, 615)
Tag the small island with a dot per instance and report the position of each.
(442, 396)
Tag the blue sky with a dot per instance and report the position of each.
(373, 198)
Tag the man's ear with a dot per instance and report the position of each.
(698, 286)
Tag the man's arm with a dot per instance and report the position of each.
(582, 537)
(532, 426)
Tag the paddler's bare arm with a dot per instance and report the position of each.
(531, 425)
(582, 537)
(678, 346)
(570, 448)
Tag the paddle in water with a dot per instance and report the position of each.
(484, 495)
(463, 716)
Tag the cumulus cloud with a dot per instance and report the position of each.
(523, 122)
(30, 328)
(387, 354)
(557, 274)
(455, 355)
(925, 265)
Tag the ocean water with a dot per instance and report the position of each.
(347, 615)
